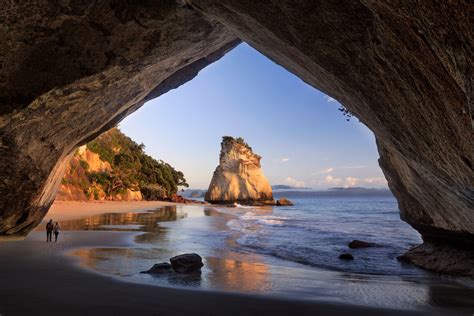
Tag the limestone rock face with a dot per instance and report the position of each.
(95, 164)
(75, 180)
(239, 176)
(76, 185)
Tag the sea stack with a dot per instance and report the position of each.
(239, 177)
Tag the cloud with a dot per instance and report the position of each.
(331, 180)
(346, 182)
(285, 159)
(331, 169)
(330, 99)
(328, 170)
(377, 181)
(294, 182)
(352, 167)
(351, 181)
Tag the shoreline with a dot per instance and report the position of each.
(34, 278)
(32, 271)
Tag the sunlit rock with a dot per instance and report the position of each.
(239, 176)
(284, 202)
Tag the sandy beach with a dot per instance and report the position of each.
(38, 278)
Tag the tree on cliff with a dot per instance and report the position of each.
(238, 140)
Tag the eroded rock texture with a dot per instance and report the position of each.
(446, 258)
(404, 68)
(239, 177)
(73, 69)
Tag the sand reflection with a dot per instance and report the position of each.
(130, 221)
(224, 270)
(229, 274)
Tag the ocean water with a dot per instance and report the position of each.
(283, 251)
(316, 230)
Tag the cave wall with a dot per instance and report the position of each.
(70, 70)
(73, 69)
(404, 68)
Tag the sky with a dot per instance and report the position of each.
(304, 139)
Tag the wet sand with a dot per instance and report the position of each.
(37, 278)
(66, 210)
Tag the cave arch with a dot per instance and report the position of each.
(71, 71)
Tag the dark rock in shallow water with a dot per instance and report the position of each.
(404, 259)
(355, 244)
(283, 202)
(346, 256)
(446, 259)
(187, 263)
(159, 268)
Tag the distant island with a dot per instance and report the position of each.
(335, 192)
(193, 193)
(288, 187)
(358, 189)
(289, 190)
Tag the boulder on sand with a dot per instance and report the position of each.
(187, 263)
(159, 268)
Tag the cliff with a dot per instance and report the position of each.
(239, 176)
(78, 183)
(113, 167)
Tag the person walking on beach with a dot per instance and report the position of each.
(49, 230)
(56, 230)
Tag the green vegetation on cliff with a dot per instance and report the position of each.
(130, 170)
(238, 140)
